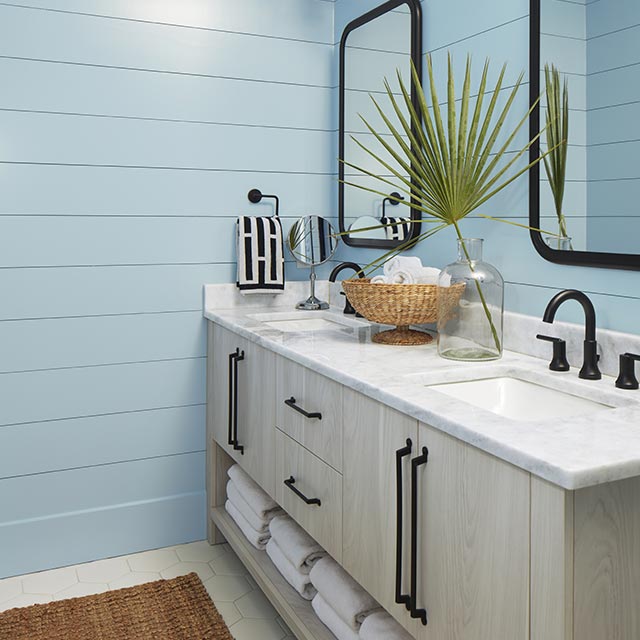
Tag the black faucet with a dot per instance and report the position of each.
(589, 369)
(348, 309)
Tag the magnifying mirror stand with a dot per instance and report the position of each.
(312, 303)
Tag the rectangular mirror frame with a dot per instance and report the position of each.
(580, 258)
(416, 55)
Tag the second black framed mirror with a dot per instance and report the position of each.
(372, 48)
(594, 47)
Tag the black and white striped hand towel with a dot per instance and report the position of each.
(260, 255)
(398, 229)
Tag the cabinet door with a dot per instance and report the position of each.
(373, 434)
(255, 403)
(473, 543)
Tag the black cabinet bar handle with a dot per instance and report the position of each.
(415, 463)
(291, 402)
(401, 598)
(290, 481)
(232, 357)
(239, 356)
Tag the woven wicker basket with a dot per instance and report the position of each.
(402, 305)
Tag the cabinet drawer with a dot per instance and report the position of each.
(314, 480)
(300, 391)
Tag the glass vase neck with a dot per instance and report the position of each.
(470, 249)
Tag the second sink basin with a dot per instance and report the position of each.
(519, 399)
(295, 321)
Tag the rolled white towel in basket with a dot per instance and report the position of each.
(299, 581)
(332, 620)
(260, 502)
(258, 523)
(381, 626)
(296, 544)
(342, 593)
(256, 538)
(406, 263)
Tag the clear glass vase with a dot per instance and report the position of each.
(471, 306)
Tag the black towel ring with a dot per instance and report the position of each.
(255, 196)
(394, 199)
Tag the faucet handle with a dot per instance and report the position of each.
(559, 361)
(627, 375)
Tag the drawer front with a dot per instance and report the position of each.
(315, 480)
(298, 391)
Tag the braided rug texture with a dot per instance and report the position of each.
(176, 609)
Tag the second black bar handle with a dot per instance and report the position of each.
(238, 357)
(415, 463)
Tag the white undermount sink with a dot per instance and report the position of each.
(296, 321)
(519, 399)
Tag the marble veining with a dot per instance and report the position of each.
(572, 452)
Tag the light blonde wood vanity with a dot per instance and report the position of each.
(501, 554)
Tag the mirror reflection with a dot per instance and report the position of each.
(373, 50)
(595, 46)
(312, 240)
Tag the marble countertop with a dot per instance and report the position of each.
(573, 452)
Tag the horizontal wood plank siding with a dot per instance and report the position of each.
(130, 134)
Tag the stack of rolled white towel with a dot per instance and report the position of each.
(250, 507)
(407, 270)
(341, 603)
(294, 553)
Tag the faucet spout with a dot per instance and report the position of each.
(587, 305)
(334, 274)
(590, 370)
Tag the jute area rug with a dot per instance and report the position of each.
(176, 609)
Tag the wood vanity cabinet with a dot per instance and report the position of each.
(472, 526)
(500, 554)
(241, 403)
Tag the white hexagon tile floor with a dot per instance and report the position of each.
(243, 606)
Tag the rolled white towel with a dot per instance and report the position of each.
(428, 275)
(298, 546)
(259, 524)
(379, 280)
(381, 626)
(406, 263)
(261, 503)
(299, 581)
(256, 538)
(402, 276)
(341, 592)
(332, 620)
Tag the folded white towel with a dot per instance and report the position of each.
(381, 626)
(256, 498)
(341, 592)
(258, 523)
(298, 546)
(256, 538)
(299, 581)
(332, 620)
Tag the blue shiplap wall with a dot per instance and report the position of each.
(500, 29)
(130, 133)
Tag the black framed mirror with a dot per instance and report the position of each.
(595, 47)
(374, 46)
